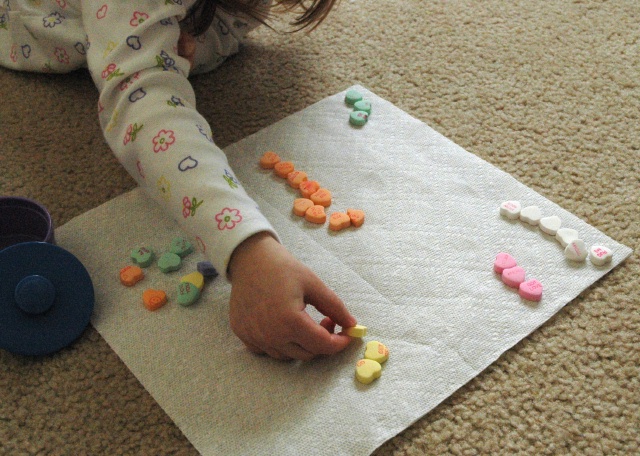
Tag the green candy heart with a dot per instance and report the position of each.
(169, 262)
(142, 256)
(181, 247)
(188, 293)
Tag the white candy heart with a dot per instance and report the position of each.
(565, 235)
(550, 225)
(531, 215)
(576, 250)
(599, 255)
(510, 209)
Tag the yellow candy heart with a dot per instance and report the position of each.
(195, 278)
(355, 331)
(376, 351)
(367, 370)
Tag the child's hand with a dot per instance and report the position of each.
(270, 289)
(187, 47)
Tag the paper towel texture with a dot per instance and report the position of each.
(418, 273)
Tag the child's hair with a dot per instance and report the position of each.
(312, 12)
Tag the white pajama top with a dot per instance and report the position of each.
(147, 107)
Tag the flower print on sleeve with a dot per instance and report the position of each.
(52, 20)
(189, 206)
(228, 218)
(111, 71)
(132, 133)
(61, 55)
(163, 140)
(138, 18)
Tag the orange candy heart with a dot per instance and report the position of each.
(283, 168)
(308, 188)
(131, 275)
(300, 206)
(316, 214)
(356, 216)
(295, 178)
(339, 221)
(322, 197)
(154, 299)
(269, 160)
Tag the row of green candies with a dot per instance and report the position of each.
(376, 353)
(190, 285)
(361, 108)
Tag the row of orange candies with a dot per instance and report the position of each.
(314, 198)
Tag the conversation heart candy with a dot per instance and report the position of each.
(207, 269)
(321, 197)
(300, 206)
(510, 209)
(339, 221)
(367, 370)
(550, 225)
(503, 261)
(565, 235)
(269, 160)
(295, 178)
(376, 351)
(195, 278)
(356, 216)
(308, 188)
(142, 256)
(154, 299)
(576, 250)
(531, 215)
(316, 214)
(169, 262)
(355, 331)
(181, 247)
(131, 275)
(600, 255)
(283, 168)
(188, 293)
(514, 276)
(530, 290)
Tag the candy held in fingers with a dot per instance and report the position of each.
(550, 225)
(154, 299)
(283, 168)
(503, 261)
(356, 216)
(530, 290)
(300, 206)
(321, 197)
(142, 256)
(131, 275)
(355, 331)
(316, 214)
(531, 215)
(576, 250)
(308, 188)
(269, 160)
(376, 351)
(514, 276)
(295, 178)
(600, 255)
(510, 209)
(339, 221)
(367, 370)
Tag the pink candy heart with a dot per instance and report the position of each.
(503, 261)
(514, 276)
(531, 290)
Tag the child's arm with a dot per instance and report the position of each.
(148, 114)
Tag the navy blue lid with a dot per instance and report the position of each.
(46, 298)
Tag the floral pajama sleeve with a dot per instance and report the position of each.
(146, 106)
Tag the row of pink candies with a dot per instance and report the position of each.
(514, 276)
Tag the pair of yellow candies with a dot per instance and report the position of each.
(376, 353)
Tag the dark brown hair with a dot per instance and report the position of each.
(311, 12)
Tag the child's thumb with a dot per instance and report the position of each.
(327, 302)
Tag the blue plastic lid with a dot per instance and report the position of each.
(46, 298)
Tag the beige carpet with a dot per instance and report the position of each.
(548, 91)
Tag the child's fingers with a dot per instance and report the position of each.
(328, 303)
(328, 324)
(316, 339)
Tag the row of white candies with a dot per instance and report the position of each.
(574, 247)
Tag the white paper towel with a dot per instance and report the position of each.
(418, 273)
